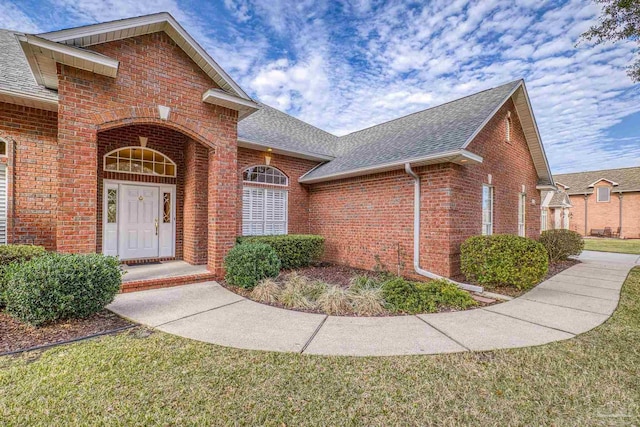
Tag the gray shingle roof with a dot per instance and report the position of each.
(628, 179)
(15, 73)
(276, 129)
(440, 129)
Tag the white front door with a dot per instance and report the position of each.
(139, 222)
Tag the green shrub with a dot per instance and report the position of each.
(10, 254)
(504, 260)
(61, 286)
(249, 263)
(560, 244)
(424, 297)
(294, 250)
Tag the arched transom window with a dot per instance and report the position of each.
(139, 161)
(264, 175)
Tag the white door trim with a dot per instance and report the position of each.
(110, 184)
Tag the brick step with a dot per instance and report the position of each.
(165, 282)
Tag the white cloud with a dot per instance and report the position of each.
(345, 65)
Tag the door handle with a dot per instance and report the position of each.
(156, 226)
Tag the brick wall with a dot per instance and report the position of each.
(298, 195)
(31, 173)
(168, 142)
(369, 220)
(153, 71)
(606, 214)
(195, 203)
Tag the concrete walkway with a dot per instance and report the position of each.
(570, 303)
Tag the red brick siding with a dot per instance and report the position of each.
(166, 141)
(195, 203)
(153, 71)
(511, 167)
(607, 214)
(298, 195)
(366, 219)
(31, 173)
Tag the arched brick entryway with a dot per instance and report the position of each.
(209, 202)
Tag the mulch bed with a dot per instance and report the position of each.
(15, 335)
(339, 275)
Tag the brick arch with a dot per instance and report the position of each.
(121, 117)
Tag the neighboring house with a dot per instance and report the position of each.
(555, 209)
(604, 199)
(126, 138)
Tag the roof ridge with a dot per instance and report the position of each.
(431, 108)
(597, 170)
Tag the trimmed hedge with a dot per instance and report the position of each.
(403, 296)
(249, 263)
(294, 250)
(560, 244)
(504, 260)
(61, 286)
(12, 254)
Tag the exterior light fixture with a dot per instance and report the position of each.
(463, 161)
(267, 157)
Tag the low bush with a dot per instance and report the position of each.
(424, 297)
(504, 260)
(335, 301)
(249, 263)
(61, 286)
(294, 250)
(12, 254)
(560, 244)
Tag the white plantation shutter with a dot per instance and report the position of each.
(264, 211)
(3, 204)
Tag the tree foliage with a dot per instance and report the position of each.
(620, 20)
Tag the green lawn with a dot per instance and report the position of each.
(160, 379)
(613, 245)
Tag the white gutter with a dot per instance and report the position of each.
(416, 236)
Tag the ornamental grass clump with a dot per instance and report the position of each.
(300, 292)
(367, 302)
(335, 301)
(267, 291)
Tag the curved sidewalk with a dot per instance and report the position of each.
(572, 302)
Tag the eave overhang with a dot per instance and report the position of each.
(461, 157)
(244, 107)
(43, 54)
(300, 154)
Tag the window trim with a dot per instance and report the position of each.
(508, 128)
(264, 216)
(598, 194)
(492, 205)
(286, 177)
(168, 159)
(544, 219)
(522, 214)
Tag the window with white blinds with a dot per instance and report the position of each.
(3, 205)
(264, 211)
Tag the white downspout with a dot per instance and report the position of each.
(416, 235)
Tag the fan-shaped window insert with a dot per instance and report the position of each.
(265, 175)
(139, 161)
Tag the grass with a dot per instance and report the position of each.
(631, 246)
(162, 379)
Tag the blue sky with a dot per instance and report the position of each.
(346, 65)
